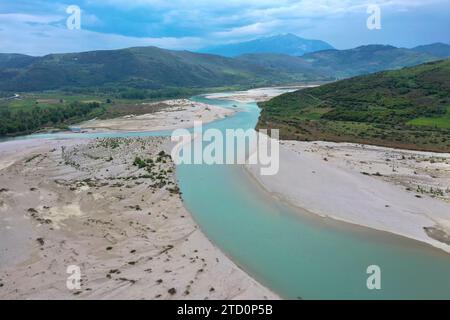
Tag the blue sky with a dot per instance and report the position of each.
(39, 27)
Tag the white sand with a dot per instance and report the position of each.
(84, 203)
(181, 114)
(327, 179)
(256, 95)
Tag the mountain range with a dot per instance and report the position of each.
(440, 50)
(366, 59)
(142, 67)
(155, 68)
(288, 44)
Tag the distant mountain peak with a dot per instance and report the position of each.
(284, 35)
(435, 44)
(438, 49)
(375, 47)
(287, 43)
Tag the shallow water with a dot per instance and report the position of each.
(299, 255)
(296, 254)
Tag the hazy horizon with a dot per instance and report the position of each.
(194, 50)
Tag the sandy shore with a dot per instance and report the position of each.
(121, 221)
(399, 191)
(177, 114)
(256, 95)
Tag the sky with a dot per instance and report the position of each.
(38, 27)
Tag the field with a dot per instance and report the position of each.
(33, 112)
(442, 122)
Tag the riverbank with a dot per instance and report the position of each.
(399, 191)
(176, 114)
(256, 95)
(112, 207)
(403, 192)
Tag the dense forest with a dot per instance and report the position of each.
(29, 120)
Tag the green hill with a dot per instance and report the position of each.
(365, 59)
(407, 108)
(15, 60)
(153, 68)
(146, 67)
(285, 66)
(440, 50)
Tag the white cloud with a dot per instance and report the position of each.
(28, 18)
(246, 31)
(21, 35)
(298, 7)
(210, 21)
(236, 19)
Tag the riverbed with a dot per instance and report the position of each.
(297, 254)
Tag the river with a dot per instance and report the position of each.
(294, 253)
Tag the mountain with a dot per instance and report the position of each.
(284, 64)
(440, 50)
(146, 67)
(288, 44)
(408, 108)
(339, 64)
(364, 60)
(154, 68)
(15, 60)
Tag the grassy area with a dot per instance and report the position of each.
(442, 122)
(406, 108)
(32, 112)
(47, 100)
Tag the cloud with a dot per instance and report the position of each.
(246, 31)
(298, 7)
(29, 18)
(29, 35)
(217, 19)
(38, 27)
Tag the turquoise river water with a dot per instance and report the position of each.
(296, 254)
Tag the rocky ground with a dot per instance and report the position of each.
(174, 114)
(111, 207)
